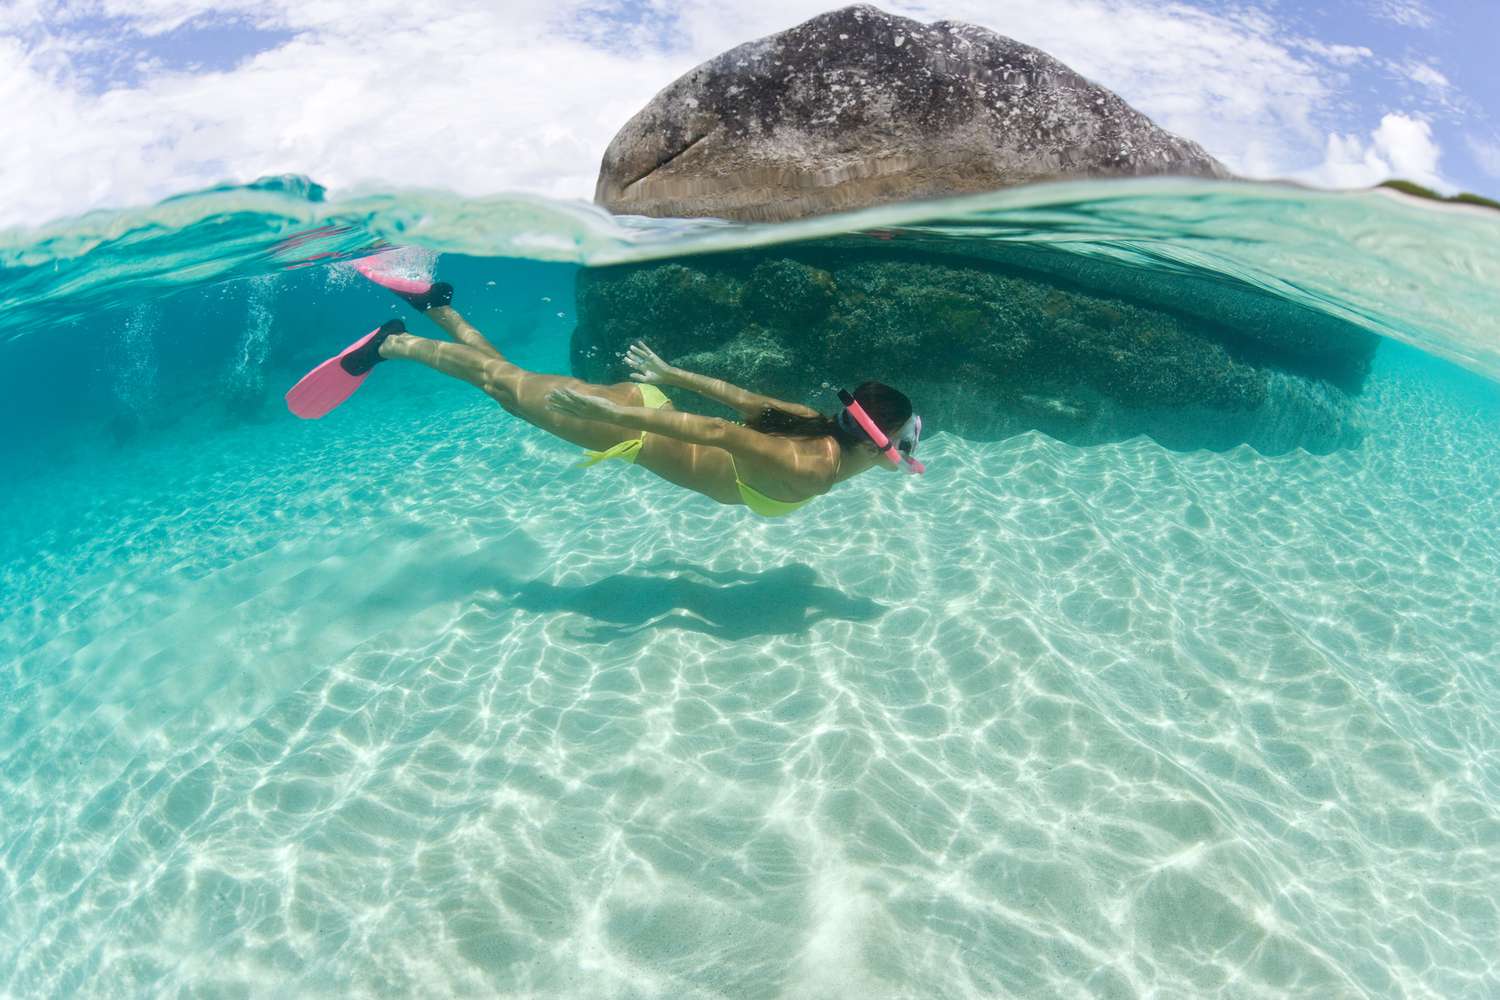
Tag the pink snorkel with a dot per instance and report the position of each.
(908, 464)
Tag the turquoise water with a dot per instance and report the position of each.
(399, 703)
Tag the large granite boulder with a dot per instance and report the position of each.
(858, 107)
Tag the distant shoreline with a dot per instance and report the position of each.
(1417, 190)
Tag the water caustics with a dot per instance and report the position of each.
(400, 703)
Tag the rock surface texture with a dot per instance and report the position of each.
(857, 107)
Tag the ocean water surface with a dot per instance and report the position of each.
(401, 703)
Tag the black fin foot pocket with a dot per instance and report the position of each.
(367, 356)
(440, 294)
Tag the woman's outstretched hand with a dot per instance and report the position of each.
(578, 404)
(648, 367)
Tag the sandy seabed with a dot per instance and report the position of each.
(401, 704)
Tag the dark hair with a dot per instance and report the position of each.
(886, 406)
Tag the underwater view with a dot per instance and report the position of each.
(1174, 675)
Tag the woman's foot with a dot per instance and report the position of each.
(321, 390)
(439, 293)
(421, 295)
(367, 355)
(434, 299)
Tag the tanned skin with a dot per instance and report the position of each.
(687, 449)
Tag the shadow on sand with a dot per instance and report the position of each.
(726, 604)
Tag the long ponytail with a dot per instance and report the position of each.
(887, 407)
(774, 420)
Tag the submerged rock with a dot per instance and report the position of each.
(990, 347)
(858, 107)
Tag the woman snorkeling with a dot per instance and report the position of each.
(780, 457)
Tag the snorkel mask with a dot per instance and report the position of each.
(901, 450)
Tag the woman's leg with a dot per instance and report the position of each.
(695, 467)
(459, 329)
(520, 392)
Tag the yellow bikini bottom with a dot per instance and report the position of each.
(628, 451)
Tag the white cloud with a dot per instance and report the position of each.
(1400, 147)
(1486, 153)
(1410, 13)
(1339, 55)
(1430, 87)
(465, 100)
(466, 97)
(1408, 145)
(1426, 75)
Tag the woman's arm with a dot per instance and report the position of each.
(650, 368)
(690, 427)
(744, 402)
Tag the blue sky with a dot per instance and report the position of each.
(1456, 39)
(116, 102)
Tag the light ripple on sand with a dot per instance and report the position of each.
(431, 713)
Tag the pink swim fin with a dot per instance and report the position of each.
(335, 380)
(423, 295)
